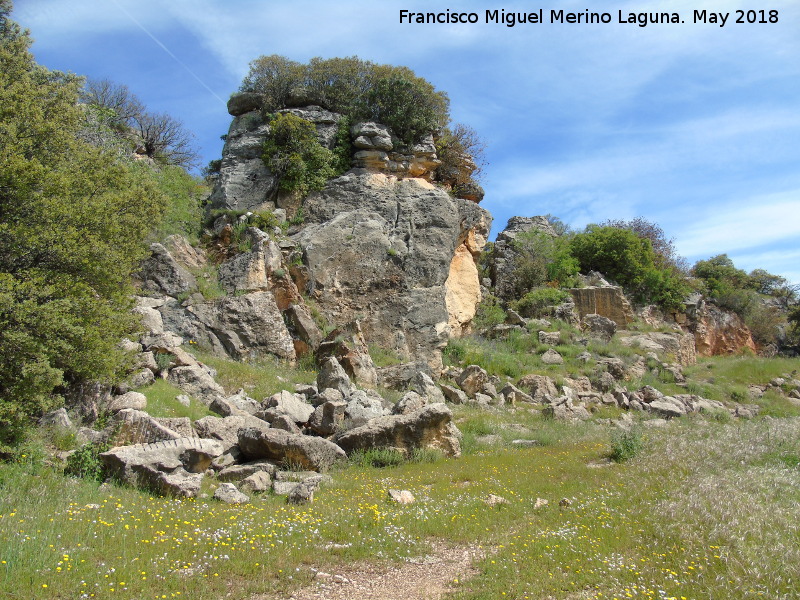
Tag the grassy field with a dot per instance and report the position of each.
(705, 510)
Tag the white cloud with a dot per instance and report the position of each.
(752, 222)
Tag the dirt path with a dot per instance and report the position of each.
(423, 578)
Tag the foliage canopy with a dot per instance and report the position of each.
(360, 89)
(72, 222)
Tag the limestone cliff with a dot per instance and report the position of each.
(381, 243)
(399, 254)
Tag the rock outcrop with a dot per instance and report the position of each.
(606, 301)
(716, 331)
(380, 243)
(383, 248)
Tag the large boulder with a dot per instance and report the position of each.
(313, 453)
(161, 273)
(430, 427)
(226, 429)
(168, 467)
(137, 427)
(247, 325)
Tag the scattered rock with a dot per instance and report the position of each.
(599, 326)
(169, 467)
(257, 483)
(472, 380)
(328, 417)
(332, 375)
(314, 453)
(348, 346)
(429, 428)
(411, 402)
(303, 492)
(227, 492)
(493, 500)
(551, 357)
(401, 496)
(287, 404)
(540, 387)
(57, 419)
(454, 395)
(550, 338)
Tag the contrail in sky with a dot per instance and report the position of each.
(168, 51)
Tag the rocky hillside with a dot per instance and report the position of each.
(380, 244)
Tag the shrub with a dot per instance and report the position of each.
(377, 457)
(626, 444)
(359, 89)
(85, 461)
(619, 254)
(490, 313)
(74, 222)
(461, 151)
(293, 153)
(542, 258)
(537, 303)
(629, 259)
(664, 248)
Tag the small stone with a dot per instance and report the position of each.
(402, 496)
(551, 357)
(227, 492)
(493, 500)
(540, 502)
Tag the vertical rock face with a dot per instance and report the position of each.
(381, 244)
(396, 253)
(607, 302)
(717, 331)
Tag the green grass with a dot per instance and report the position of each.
(652, 523)
(162, 402)
(259, 377)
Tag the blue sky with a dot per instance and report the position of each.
(693, 126)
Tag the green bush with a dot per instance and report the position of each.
(359, 89)
(377, 457)
(74, 222)
(626, 444)
(293, 153)
(183, 213)
(537, 303)
(85, 461)
(629, 259)
(541, 258)
(490, 313)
